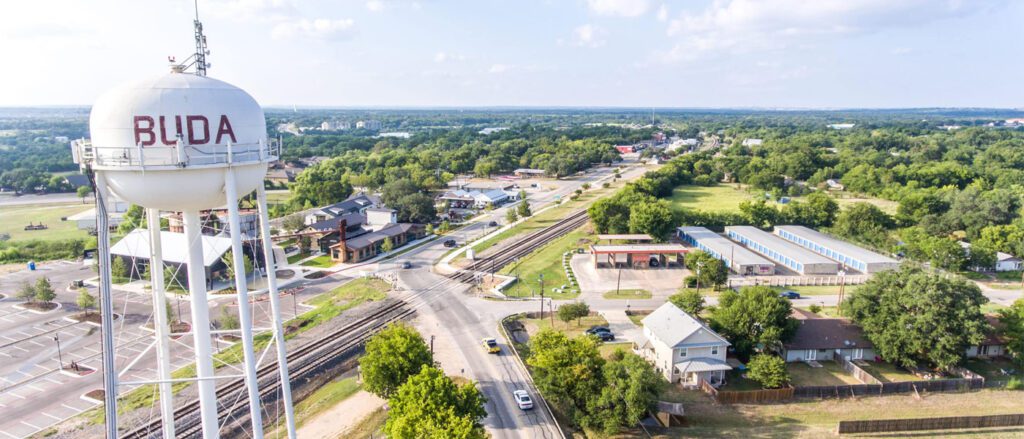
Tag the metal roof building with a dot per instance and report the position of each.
(735, 256)
(849, 255)
(638, 255)
(793, 256)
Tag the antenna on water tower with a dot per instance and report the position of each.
(201, 50)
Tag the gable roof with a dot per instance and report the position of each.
(827, 334)
(173, 246)
(674, 327)
(355, 203)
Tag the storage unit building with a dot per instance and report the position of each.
(788, 254)
(735, 256)
(851, 256)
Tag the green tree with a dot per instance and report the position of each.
(85, 300)
(863, 222)
(567, 371)
(44, 291)
(27, 292)
(83, 192)
(228, 319)
(981, 257)
(712, 270)
(415, 208)
(305, 243)
(119, 270)
(511, 216)
(573, 311)
(294, 223)
(688, 300)
(387, 245)
(430, 405)
(653, 218)
(1012, 320)
(913, 316)
(133, 219)
(429, 229)
(229, 265)
(753, 317)
(523, 209)
(630, 390)
(392, 356)
(769, 370)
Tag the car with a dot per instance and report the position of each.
(491, 345)
(596, 329)
(492, 224)
(406, 264)
(449, 243)
(790, 295)
(604, 336)
(523, 399)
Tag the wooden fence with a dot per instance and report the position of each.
(920, 424)
(747, 396)
(949, 385)
(783, 281)
(855, 370)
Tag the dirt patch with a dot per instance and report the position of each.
(40, 306)
(285, 274)
(95, 394)
(316, 275)
(92, 317)
(79, 370)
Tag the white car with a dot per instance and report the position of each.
(523, 399)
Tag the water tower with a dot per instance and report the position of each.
(184, 142)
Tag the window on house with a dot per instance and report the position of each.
(714, 350)
(682, 353)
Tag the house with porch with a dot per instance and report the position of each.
(682, 348)
(821, 339)
(994, 344)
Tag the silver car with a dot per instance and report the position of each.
(523, 399)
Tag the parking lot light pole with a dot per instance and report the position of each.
(60, 357)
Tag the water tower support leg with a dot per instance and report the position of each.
(161, 325)
(106, 308)
(201, 326)
(244, 315)
(275, 307)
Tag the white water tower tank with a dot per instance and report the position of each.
(165, 142)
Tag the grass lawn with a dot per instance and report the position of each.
(886, 206)
(322, 261)
(287, 242)
(370, 426)
(546, 260)
(608, 349)
(720, 198)
(278, 196)
(990, 369)
(830, 374)
(338, 300)
(826, 311)
(889, 373)
(627, 294)
(991, 308)
(13, 220)
(734, 380)
(570, 329)
(1008, 276)
(637, 315)
(324, 398)
(297, 257)
(808, 418)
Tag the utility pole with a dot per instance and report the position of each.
(431, 347)
(295, 305)
(699, 265)
(60, 357)
(551, 309)
(618, 281)
(842, 290)
(541, 295)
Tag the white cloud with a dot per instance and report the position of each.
(247, 10)
(441, 57)
(749, 25)
(375, 5)
(588, 35)
(319, 29)
(663, 13)
(620, 8)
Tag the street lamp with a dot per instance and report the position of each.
(60, 357)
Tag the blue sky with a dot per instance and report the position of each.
(631, 53)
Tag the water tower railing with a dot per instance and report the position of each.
(168, 156)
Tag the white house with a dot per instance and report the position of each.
(752, 142)
(1007, 262)
(994, 344)
(683, 349)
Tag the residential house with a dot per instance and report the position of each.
(752, 142)
(834, 185)
(821, 339)
(682, 348)
(1007, 262)
(994, 344)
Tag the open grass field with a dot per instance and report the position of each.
(13, 220)
(992, 369)
(819, 418)
(322, 261)
(571, 329)
(830, 374)
(889, 373)
(546, 260)
(720, 198)
(886, 206)
(627, 294)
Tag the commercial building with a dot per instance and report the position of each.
(851, 256)
(639, 255)
(786, 253)
(736, 257)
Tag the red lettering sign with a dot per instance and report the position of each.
(147, 130)
(225, 128)
(192, 139)
(163, 131)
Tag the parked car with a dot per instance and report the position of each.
(523, 399)
(790, 295)
(601, 332)
(449, 243)
(491, 345)
(596, 329)
(406, 264)
(492, 224)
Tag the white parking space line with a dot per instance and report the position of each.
(55, 418)
(15, 395)
(9, 435)
(30, 425)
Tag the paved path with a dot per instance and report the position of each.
(334, 422)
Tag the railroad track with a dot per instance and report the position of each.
(301, 362)
(522, 247)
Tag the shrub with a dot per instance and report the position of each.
(769, 370)
(815, 308)
(1015, 384)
